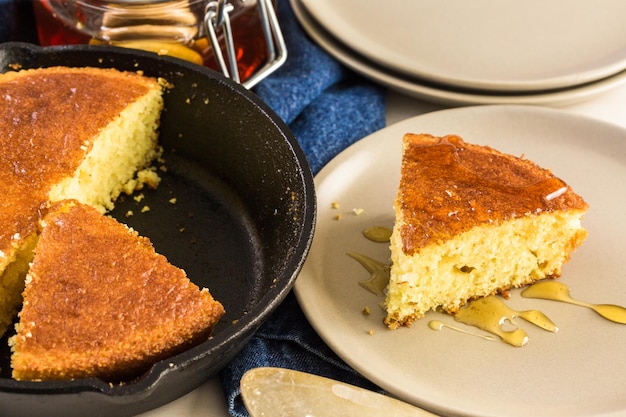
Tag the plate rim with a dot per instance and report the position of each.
(438, 94)
(347, 33)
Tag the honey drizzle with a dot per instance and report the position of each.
(379, 273)
(378, 234)
(556, 291)
(491, 314)
(439, 325)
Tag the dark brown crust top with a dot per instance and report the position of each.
(46, 115)
(102, 303)
(448, 186)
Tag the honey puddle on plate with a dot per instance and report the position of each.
(490, 313)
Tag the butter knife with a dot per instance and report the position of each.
(278, 392)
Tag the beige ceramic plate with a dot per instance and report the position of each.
(493, 46)
(579, 371)
(438, 94)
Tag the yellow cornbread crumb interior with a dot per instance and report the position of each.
(126, 145)
(12, 281)
(478, 262)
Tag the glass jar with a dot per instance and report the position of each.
(241, 34)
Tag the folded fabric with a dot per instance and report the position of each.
(286, 340)
(327, 108)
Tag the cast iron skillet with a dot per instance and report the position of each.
(241, 223)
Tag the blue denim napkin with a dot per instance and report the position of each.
(327, 108)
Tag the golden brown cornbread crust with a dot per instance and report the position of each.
(450, 186)
(48, 116)
(100, 302)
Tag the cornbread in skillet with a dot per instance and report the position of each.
(100, 302)
(472, 221)
(80, 133)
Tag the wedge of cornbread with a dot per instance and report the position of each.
(100, 302)
(472, 221)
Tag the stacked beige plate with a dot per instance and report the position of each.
(459, 52)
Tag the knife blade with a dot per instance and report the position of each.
(279, 392)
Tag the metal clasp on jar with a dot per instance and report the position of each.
(217, 20)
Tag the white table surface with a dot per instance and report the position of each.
(208, 400)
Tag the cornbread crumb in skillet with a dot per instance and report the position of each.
(470, 222)
(100, 302)
(77, 133)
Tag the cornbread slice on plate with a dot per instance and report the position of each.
(81, 133)
(472, 221)
(100, 302)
